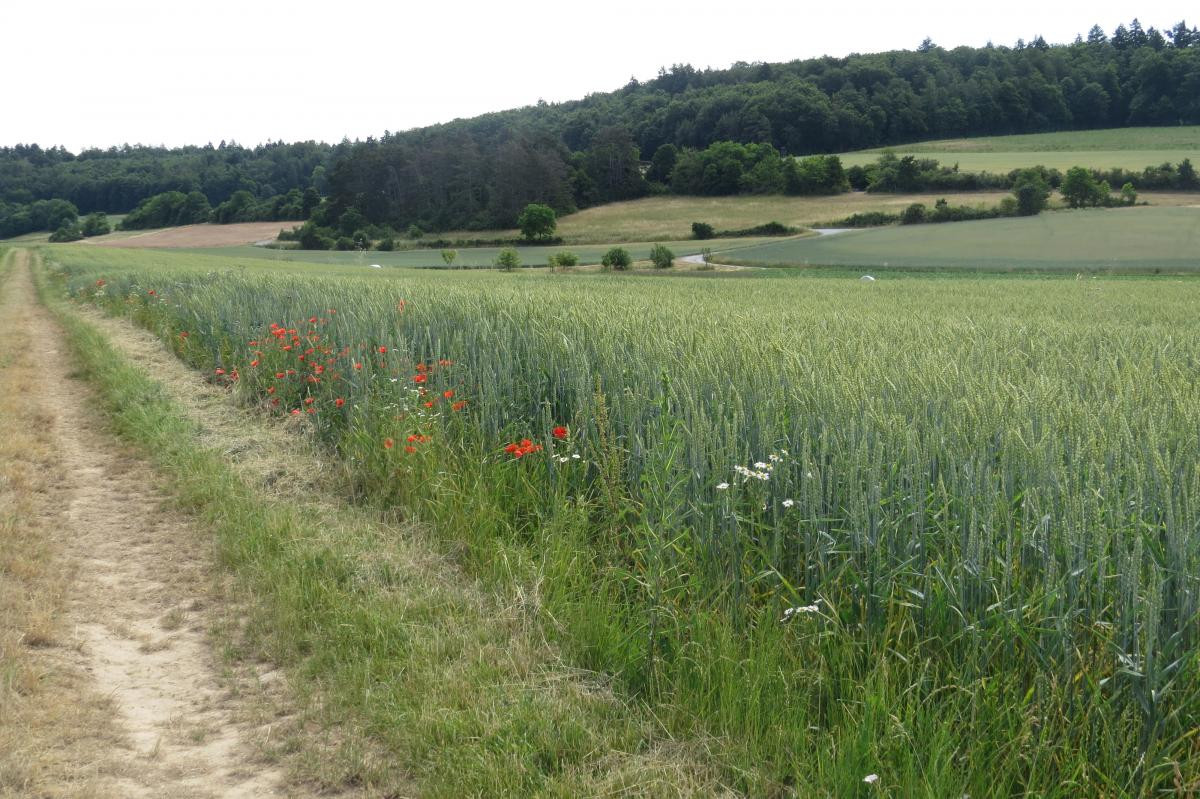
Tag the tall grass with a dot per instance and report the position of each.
(961, 550)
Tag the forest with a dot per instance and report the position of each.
(686, 131)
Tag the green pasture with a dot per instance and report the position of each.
(1127, 148)
(1142, 239)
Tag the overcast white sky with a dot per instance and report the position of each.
(84, 74)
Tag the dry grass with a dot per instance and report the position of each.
(50, 722)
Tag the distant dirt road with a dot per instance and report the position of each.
(197, 236)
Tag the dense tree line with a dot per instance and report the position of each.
(117, 179)
(650, 136)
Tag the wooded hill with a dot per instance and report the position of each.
(480, 172)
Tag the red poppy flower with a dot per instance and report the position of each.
(254, 362)
(358, 366)
(339, 402)
(448, 393)
(388, 443)
(458, 406)
(383, 350)
(561, 432)
(220, 371)
(419, 378)
(410, 449)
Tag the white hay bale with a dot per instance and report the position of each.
(866, 279)
(376, 266)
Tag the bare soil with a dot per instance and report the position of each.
(206, 235)
(136, 608)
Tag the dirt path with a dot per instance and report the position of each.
(137, 603)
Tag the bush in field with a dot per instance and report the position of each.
(1129, 194)
(702, 230)
(344, 243)
(95, 224)
(415, 232)
(448, 257)
(65, 233)
(1031, 192)
(314, 237)
(508, 260)
(1081, 190)
(616, 258)
(361, 240)
(661, 256)
(913, 214)
(537, 222)
(387, 244)
(563, 259)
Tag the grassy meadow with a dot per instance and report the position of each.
(941, 532)
(1127, 148)
(1126, 240)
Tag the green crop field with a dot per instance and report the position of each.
(1120, 240)
(1128, 148)
(942, 532)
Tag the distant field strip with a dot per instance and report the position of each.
(1124, 240)
(1128, 148)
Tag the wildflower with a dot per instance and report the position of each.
(761, 465)
(560, 432)
(184, 334)
(254, 362)
(382, 350)
(220, 372)
(448, 393)
(357, 365)
(339, 402)
(419, 378)
(458, 406)
(428, 404)
(295, 411)
(722, 486)
(790, 612)
(871, 779)
(787, 503)
(388, 443)
(309, 400)
(279, 375)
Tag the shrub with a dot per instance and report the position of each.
(361, 240)
(344, 243)
(616, 258)
(661, 256)
(564, 259)
(913, 214)
(96, 224)
(702, 230)
(415, 232)
(508, 259)
(448, 257)
(64, 234)
(387, 244)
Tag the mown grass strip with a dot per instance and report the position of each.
(420, 682)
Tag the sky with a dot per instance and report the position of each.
(89, 74)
